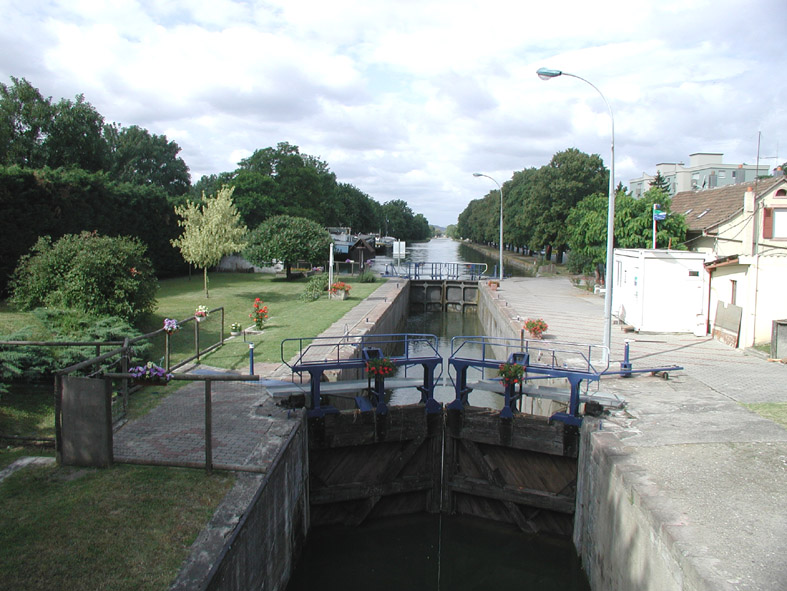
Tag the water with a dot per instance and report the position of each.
(432, 552)
(445, 250)
(429, 552)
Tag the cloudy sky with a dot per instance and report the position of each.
(405, 99)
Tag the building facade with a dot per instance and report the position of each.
(706, 170)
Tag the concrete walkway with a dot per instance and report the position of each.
(715, 471)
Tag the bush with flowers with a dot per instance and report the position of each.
(259, 314)
(380, 367)
(536, 327)
(511, 373)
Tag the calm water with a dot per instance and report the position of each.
(445, 250)
(430, 552)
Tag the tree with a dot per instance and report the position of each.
(659, 182)
(288, 239)
(75, 136)
(211, 230)
(587, 227)
(142, 158)
(25, 117)
(87, 272)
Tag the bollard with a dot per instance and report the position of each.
(625, 365)
(251, 359)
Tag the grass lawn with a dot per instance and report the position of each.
(288, 316)
(775, 411)
(128, 527)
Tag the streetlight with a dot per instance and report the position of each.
(499, 188)
(546, 74)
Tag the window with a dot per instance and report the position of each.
(733, 292)
(774, 222)
(722, 174)
(781, 193)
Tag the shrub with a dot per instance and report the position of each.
(98, 275)
(315, 287)
(367, 276)
(36, 363)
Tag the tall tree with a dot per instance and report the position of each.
(75, 136)
(288, 239)
(25, 117)
(211, 230)
(142, 158)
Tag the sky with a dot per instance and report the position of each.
(406, 99)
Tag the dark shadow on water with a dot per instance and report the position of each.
(412, 552)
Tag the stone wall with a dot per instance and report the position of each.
(264, 545)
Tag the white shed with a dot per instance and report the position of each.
(661, 290)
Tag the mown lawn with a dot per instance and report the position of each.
(775, 411)
(128, 527)
(289, 316)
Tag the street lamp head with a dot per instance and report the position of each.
(546, 73)
(477, 174)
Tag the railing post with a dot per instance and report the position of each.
(196, 338)
(208, 428)
(124, 359)
(58, 410)
(221, 336)
(167, 351)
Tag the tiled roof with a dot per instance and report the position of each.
(708, 208)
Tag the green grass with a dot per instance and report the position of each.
(128, 527)
(288, 316)
(28, 411)
(775, 411)
(11, 453)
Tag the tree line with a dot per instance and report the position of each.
(64, 169)
(562, 206)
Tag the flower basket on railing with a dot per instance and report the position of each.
(201, 313)
(149, 375)
(171, 325)
(535, 327)
(511, 373)
(381, 367)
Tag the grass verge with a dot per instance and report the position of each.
(128, 527)
(775, 411)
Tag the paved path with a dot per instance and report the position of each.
(717, 468)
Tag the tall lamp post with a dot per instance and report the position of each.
(546, 74)
(499, 188)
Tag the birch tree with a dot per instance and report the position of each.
(211, 230)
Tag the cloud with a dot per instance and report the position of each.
(405, 100)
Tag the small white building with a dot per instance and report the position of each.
(661, 290)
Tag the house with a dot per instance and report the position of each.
(743, 230)
(706, 170)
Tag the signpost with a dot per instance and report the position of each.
(658, 216)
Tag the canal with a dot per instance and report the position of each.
(437, 552)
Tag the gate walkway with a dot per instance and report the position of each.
(711, 473)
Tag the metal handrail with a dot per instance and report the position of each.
(348, 348)
(556, 355)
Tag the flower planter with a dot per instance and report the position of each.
(234, 333)
(199, 318)
(339, 295)
(493, 285)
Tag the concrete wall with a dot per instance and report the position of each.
(616, 528)
(86, 422)
(264, 546)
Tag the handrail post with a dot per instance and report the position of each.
(167, 351)
(124, 359)
(208, 428)
(196, 338)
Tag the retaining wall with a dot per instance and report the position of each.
(267, 534)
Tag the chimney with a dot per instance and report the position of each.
(748, 235)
